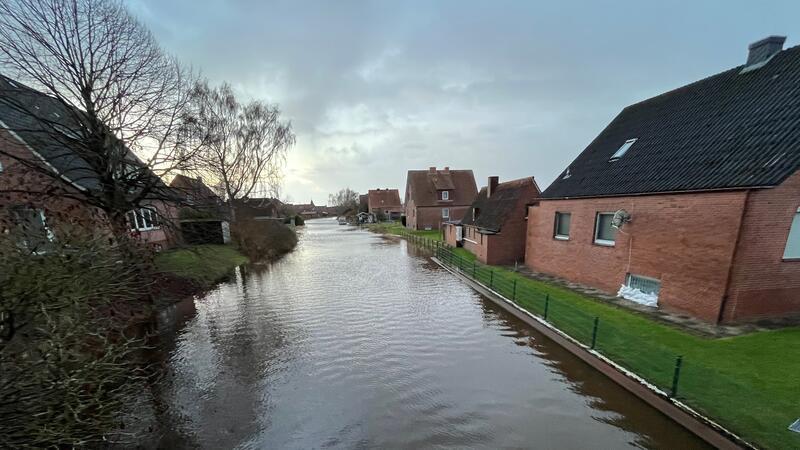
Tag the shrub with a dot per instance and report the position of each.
(299, 221)
(403, 220)
(67, 366)
(263, 239)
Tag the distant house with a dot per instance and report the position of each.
(385, 202)
(689, 200)
(37, 201)
(435, 196)
(308, 211)
(495, 225)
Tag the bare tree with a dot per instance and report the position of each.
(244, 145)
(114, 99)
(344, 200)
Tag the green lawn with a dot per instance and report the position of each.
(203, 264)
(396, 228)
(749, 383)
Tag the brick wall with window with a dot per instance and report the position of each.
(686, 241)
(765, 280)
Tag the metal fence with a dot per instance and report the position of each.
(659, 366)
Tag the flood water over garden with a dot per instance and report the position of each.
(357, 341)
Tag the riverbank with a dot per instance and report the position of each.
(187, 271)
(746, 383)
(397, 229)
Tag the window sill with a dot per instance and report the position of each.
(145, 229)
(604, 243)
(559, 237)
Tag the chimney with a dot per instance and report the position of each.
(446, 169)
(432, 169)
(492, 186)
(761, 51)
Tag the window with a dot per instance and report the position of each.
(143, 219)
(33, 228)
(445, 213)
(622, 150)
(604, 232)
(445, 195)
(792, 250)
(562, 225)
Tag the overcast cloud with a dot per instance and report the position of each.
(504, 88)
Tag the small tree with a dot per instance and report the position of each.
(242, 146)
(344, 200)
(116, 100)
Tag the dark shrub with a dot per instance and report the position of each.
(263, 239)
(403, 220)
(299, 221)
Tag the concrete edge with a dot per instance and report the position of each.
(702, 426)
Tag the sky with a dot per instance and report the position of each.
(508, 88)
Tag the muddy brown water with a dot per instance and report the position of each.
(358, 341)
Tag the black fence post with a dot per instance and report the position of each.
(546, 305)
(514, 291)
(676, 376)
(594, 332)
(491, 279)
(473, 270)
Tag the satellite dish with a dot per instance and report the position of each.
(621, 217)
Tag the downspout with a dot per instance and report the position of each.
(725, 295)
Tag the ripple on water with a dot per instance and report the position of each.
(352, 342)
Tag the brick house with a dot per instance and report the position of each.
(435, 196)
(495, 225)
(384, 202)
(690, 200)
(39, 202)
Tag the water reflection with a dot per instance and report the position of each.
(359, 341)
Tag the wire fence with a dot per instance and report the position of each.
(694, 381)
(658, 365)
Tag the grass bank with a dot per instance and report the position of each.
(203, 265)
(747, 383)
(397, 229)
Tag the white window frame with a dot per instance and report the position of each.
(622, 150)
(598, 241)
(152, 215)
(445, 195)
(793, 253)
(445, 213)
(556, 221)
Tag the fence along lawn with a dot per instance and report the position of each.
(750, 384)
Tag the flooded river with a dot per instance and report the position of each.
(356, 341)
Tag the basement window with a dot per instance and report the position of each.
(604, 231)
(641, 289)
(622, 150)
(561, 227)
(792, 250)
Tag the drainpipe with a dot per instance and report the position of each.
(724, 302)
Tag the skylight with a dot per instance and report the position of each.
(622, 150)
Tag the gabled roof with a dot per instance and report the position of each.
(384, 198)
(194, 188)
(31, 115)
(52, 130)
(505, 200)
(422, 187)
(732, 130)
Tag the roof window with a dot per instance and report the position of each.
(622, 150)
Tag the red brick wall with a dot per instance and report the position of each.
(685, 240)
(450, 234)
(419, 218)
(476, 243)
(762, 283)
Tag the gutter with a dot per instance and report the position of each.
(702, 426)
(725, 295)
